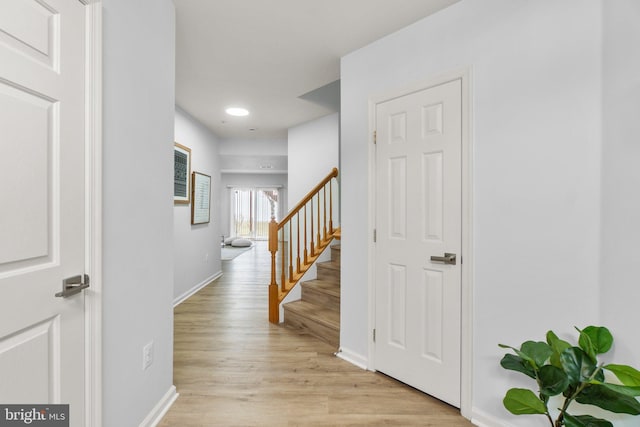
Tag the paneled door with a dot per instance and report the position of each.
(42, 190)
(418, 228)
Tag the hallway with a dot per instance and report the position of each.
(233, 368)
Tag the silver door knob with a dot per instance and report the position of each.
(447, 258)
(73, 285)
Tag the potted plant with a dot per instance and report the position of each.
(575, 374)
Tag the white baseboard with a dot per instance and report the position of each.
(482, 419)
(353, 358)
(182, 298)
(161, 408)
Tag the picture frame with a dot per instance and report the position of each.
(201, 198)
(181, 174)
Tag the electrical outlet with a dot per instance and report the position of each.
(147, 355)
(206, 256)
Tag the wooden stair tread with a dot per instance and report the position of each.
(315, 313)
(324, 293)
(318, 311)
(326, 286)
(332, 265)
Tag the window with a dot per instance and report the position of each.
(252, 210)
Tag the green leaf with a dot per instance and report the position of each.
(538, 351)
(520, 401)
(516, 363)
(600, 337)
(585, 421)
(577, 365)
(558, 346)
(605, 398)
(626, 374)
(522, 355)
(553, 381)
(587, 346)
(622, 389)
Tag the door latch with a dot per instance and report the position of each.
(447, 258)
(73, 285)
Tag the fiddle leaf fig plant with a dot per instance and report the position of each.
(573, 373)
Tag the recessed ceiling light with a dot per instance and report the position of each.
(237, 111)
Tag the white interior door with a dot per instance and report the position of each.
(418, 216)
(42, 188)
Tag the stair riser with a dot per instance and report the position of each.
(327, 273)
(328, 335)
(320, 316)
(335, 255)
(320, 298)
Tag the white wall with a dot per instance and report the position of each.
(536, 100)
(261, 147)
(314, 150)
(238, 155)
(621, 181)
(197, 247)
(248, 180)
(138, 206)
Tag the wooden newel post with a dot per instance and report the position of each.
(274, 309)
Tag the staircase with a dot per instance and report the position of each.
(318, 311)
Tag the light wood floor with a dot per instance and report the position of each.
(233, 368)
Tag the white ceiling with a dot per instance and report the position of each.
(264, 54)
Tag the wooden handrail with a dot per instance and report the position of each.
(309, 196)
(320, 234)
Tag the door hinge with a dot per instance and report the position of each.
(375, 235)
(73, 285)
(375, 136)
(374, 335)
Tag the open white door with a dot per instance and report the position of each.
(419, 240)
(42, 188)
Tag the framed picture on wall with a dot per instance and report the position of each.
(201, 194)
(181, 174)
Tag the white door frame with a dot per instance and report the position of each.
(466, 344)
(93, 212)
